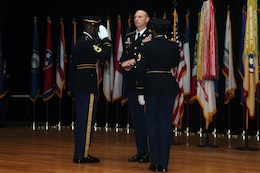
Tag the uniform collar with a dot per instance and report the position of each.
(160, 36)
(141, 32)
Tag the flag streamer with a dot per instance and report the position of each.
(206, 62)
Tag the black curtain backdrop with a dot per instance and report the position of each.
(17, 32)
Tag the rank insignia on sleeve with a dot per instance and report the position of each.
(97, 49)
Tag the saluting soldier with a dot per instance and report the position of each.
(157, 89)
(131, 53)
(83, 77)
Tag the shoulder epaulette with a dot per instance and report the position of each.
(130, 33)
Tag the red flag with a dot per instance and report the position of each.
(48, 88)
(61, 59)
(118, 76)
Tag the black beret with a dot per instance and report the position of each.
(91, 19)
(160, 25)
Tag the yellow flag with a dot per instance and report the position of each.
(250, 57)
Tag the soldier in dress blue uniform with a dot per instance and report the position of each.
(157, 89)
(84, 87)
(130, 56)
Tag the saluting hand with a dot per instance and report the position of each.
(102, 33)
(141, 100)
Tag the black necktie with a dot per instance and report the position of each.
(138, 35)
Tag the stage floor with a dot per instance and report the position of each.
(25, 150)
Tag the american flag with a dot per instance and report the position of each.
(178, 73)
(61, 59)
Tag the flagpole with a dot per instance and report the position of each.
(106, 126)
(246, 147)
(229, 131)
(187, 120)
(244, 121)
(215, 133)
(215, 127)
(59, 123)
(72, 115)
(175, 131)
(207, 144)
(33, 124)
(116, 127)
(47, 115)
(200, 130)
(257, 115)
(257, 121)
(187, 124)
(128, 124)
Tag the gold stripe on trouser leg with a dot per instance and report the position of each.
(90, 111)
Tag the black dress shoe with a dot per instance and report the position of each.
(164, 169)
(144, 159)
(94, 159)
(155, 168)
(135, 158)
(88, 159)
